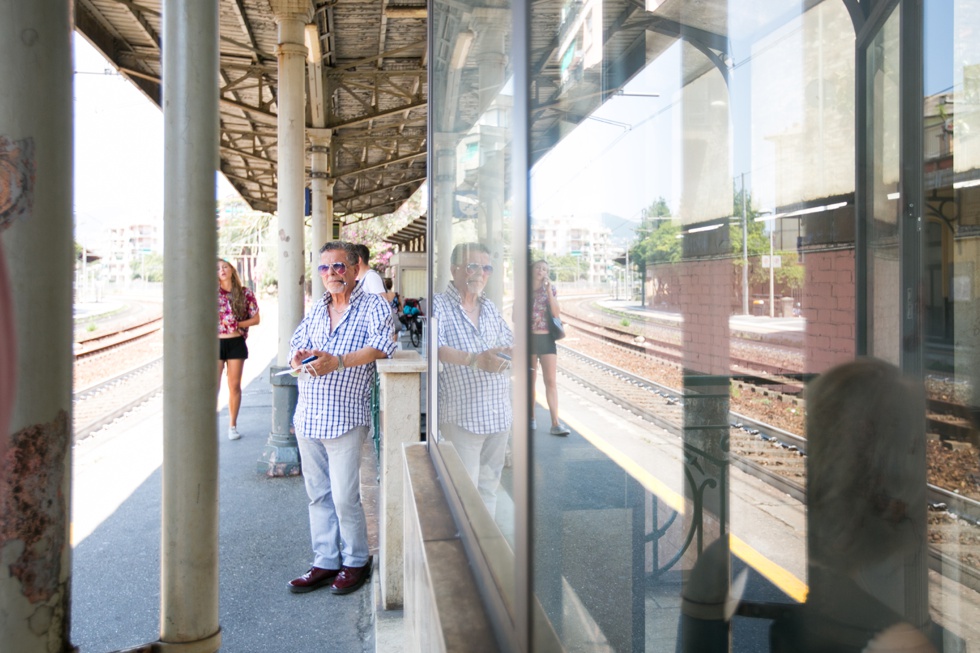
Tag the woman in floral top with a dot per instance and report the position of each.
(543, 300)
(237, 311)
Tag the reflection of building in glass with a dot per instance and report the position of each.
(581, 39)
(576, 237)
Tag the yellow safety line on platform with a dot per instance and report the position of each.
(786, 581)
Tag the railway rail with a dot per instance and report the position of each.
(100, 344)
(775, 456)
(107, 395)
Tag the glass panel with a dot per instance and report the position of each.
(470, 131)
(883, 143)
(692, 209)
(951, 178)
(692, 201)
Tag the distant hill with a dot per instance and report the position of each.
(622, 231)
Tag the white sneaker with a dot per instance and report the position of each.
(233, 433)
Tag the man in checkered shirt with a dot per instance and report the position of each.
(475, 345)
(344, 333)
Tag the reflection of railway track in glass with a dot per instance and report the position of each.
(778, 458)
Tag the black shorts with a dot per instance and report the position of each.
(232, 349)
(542, 343)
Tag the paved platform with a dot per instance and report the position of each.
(264, 537)
(790, 329)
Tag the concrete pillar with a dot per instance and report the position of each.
(189, 538)
(280, 456)
(321, 186)
(401, 423)
(36, 255)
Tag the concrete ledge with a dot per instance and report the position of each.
(443, 609)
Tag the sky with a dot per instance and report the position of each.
(118, 151)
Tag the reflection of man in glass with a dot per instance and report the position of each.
(474, 382)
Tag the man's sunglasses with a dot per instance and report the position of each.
(338, 268)
(473, 268)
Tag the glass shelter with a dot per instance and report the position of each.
(759, 222)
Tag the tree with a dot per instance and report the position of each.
(658, 236)
(789, 275)
(758, 243)
(149, 267)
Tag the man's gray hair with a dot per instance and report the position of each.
(463, 249)
(344, 246)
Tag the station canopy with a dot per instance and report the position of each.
(366, 85)
(367, 82)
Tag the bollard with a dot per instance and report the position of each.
(280, 457)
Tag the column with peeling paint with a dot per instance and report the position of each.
(189, 532)
(493, 138)
(321, 186)
(36, 255)
(444, 189)
(280, 457)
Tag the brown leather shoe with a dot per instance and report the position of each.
(350, 578)
(314, 578)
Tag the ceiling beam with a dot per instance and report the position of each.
(420, 104)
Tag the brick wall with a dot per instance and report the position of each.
(828, 306)
(704, 296)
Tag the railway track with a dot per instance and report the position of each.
(102, 403)
(100, 344)
(774, 367)
(107, 394)
(777, 457)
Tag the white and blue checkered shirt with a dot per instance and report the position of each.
(473, 399)
(332, 404)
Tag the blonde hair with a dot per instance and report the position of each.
(239, 307)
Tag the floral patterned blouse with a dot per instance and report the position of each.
(539, 309)
(227, 324)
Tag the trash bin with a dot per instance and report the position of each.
(786, 306)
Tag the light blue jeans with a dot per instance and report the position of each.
(331, 470)
(483, 457)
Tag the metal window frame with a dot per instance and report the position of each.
(513, 629)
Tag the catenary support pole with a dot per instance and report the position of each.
(189, 535)
(36, 256)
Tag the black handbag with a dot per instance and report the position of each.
(555, 328)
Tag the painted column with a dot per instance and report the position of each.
(189, 537)
(291, 171)
(321, 186)
(442, 207)
(493, 140)
(280, 457)
(36, 255)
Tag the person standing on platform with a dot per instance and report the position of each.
(371, 280)
(475, 345)
(336, 346)
(237, 311)
(544, 306)
(395, 301)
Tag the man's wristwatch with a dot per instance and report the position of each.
(340, 363)
(471, 361)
